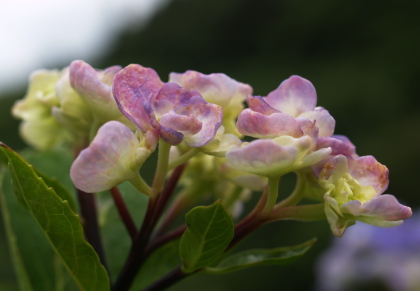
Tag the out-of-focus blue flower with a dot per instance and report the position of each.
(368, 256)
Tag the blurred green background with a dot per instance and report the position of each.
(362, 57)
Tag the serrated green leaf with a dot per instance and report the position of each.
(260, 257)
(19, 266)
(209, 231)
(36, 265)
(59, 189)
(59, 223)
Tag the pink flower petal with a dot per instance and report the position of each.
(382, 208)
(294, 96)
(133, 87)
(215, 88)
(323, 121)
(262, 126)
(86, 82)
(263, 157)
(368, 171)
(258, 104)
(210, 116)
(107, 161)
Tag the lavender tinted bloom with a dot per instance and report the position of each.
(367, 255)
(174, 113)
(286, 111)
(276, 157)
(219, 89)
(114, 156)
(94, 88)
(353, 192)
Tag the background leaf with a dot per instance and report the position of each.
(59, 223)
(209, 232)
(261, 257)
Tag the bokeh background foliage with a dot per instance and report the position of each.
(362, 57)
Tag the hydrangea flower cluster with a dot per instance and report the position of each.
(199, 119)
(215, 140)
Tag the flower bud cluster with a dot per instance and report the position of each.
(201, 119)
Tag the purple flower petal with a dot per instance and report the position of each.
(133, 87)
(263, 157)
(215, 88)
(183, 123)
(86, 81)
(210, 116)
(171, 97)
(258, 125)
(258, 104)
(340, 145)
(323, 121)
(294, 96)
(107, 161)
(384, 208)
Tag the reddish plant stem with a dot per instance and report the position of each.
(137, 256)
(161, 240)
(88, 212)
(134, 260)
(124, 213)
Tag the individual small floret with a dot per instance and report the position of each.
(275, 157)
(353, 192)
(174, 113)
(286, 111)
(114, 156)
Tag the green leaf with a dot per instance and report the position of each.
(59, 223)
(58, 188)
(260, 257)
(209, 232)
(36, 265)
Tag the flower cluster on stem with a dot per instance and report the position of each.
(120, 116)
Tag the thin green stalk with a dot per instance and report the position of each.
(273, 192)
(311, 212)
(162, 166)
(138, 183)
(297, 193)
(183, 158)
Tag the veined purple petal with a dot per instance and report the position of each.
(258, 104)
(169, 135)
(183, 123)
(340, 145)
(263, 157)
(294, 96)
(107, 161)
(368, 171)
(172, 97)
(210, 116)
(215, 88)
(382, 208)
(133, 86)
(86, 81)
(258, 125)
(323, 120)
